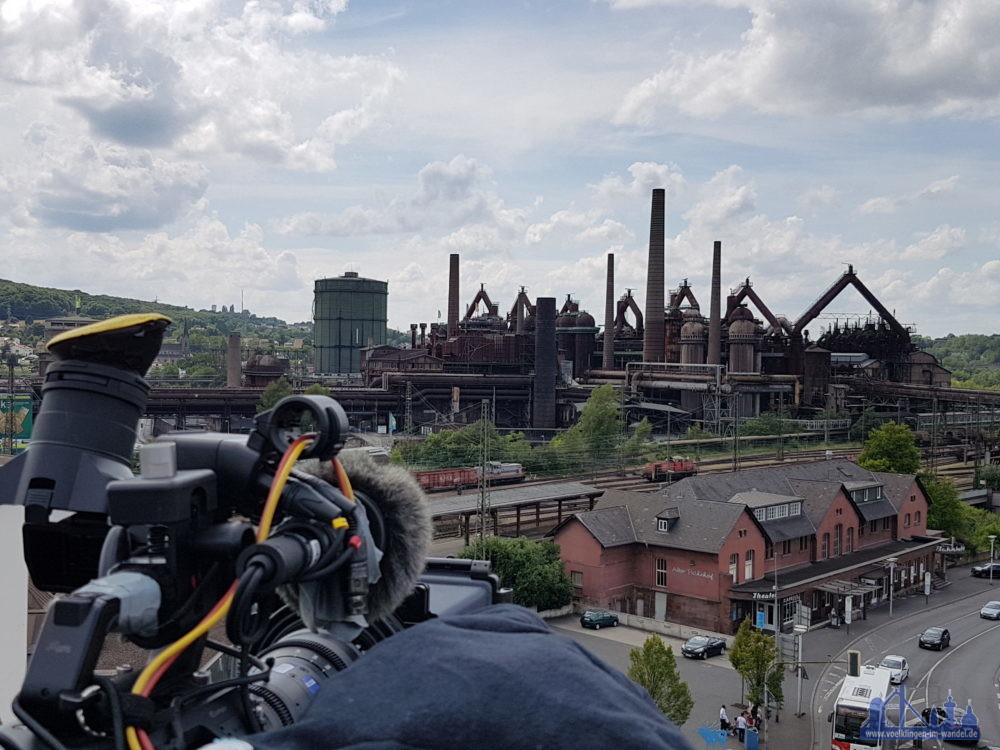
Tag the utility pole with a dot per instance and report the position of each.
(11, 360)
(408, 418)
(781, 423)
(484, 477)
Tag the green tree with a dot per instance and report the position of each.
(867, 421)
(316, 390)
(754, 655)
(273, 393)
(891, 447)
(596, 438)
(945, 511)
(654, 667)
(532, 569)
(768, 423)
(989, 477)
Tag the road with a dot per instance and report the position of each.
(712, 681)
(967, 670)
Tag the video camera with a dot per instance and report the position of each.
(215, 528)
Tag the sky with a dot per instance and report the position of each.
(231, 153)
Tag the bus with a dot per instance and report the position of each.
(853, 705)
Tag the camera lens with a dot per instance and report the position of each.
(303, 660)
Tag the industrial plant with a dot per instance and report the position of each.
(538, 361)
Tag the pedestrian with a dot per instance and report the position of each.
(741, 726)
(723, 718)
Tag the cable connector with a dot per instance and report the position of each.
(357, 588)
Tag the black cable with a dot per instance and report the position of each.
(251, 716)
(341, 559)
(225, 648)
(117, 714)
(216, 686)
(35, 726)
(242, 606)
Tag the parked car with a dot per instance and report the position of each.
(991, 611)
(898, 668)
(983, 571)
(703, 646)
(598, 618)
(938, 638)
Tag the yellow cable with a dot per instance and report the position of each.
(209, 621)
(343, 480)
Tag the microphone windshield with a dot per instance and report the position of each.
(405, 519)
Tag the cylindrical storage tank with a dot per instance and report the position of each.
(692, 338)
(743, 342)
(349, 314)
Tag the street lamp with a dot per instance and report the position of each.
(992, 538)
(892, 576)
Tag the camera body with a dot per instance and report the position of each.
(154, 556)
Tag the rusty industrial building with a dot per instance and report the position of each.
(535, 364)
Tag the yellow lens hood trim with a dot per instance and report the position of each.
(118, 323)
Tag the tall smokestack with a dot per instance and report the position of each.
(714, 319)
(608, 360)
(453, 296)
(423, 334)
(233, 364)
(652, 344)
(543, 406)
(413, 335)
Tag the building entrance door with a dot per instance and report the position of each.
(660, 605)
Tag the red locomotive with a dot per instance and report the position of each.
(669, 470)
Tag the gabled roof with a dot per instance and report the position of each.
(629, 517)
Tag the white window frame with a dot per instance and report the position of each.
(661, 572)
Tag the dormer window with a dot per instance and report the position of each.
(667, 519)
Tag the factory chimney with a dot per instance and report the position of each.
(608, 360)
(543, 407)
(233, 364)
(714, 320)
(653, 341)
(453, 296)
(413, 335)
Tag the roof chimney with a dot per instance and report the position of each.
(608, 360)
(653, 343)
(714, 320)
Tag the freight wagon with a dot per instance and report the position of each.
(441, 480)
(669, 470)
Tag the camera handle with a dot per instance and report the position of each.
(71, 640)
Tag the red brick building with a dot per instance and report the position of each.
(710, 550)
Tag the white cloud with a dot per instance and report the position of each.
(818, 198)
(447, 195)
(645, 176)
(887, 204)
(197, 76)
(935, 245)
(727, 195)
(938, 57)
(883, 204)
(939, 187)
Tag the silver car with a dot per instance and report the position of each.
(991, 611)
(899, 670)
